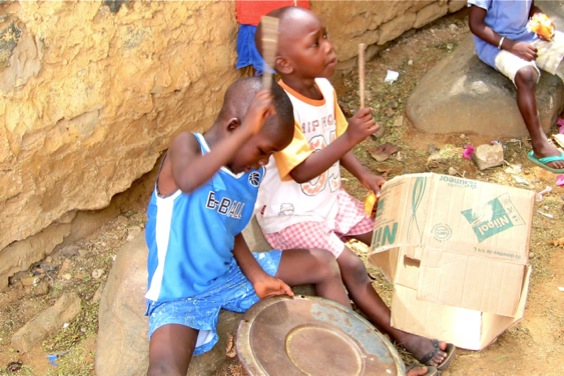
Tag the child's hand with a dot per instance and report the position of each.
(270, 286)
(361, 125)
(373, 182)
(524, 50)
(261, 107)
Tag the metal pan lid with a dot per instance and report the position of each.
(312, 336)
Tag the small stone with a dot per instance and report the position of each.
(29, 281)
(66, 276)
(452, 171)
(398, 122)
(531, 255)
(46, 323)
(70, 251)
(463, 136)
(486, 156)
(41, 289)
(97, 273)
(64, 267)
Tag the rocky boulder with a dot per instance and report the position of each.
(122, 346)
(463, 95)
(93, 92)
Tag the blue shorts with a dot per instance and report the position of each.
(202, 311)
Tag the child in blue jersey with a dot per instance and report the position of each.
(204, 196)
(303, 204)
(504, 42)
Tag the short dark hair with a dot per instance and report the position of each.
(239, 95)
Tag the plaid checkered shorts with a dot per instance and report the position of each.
(351, 220)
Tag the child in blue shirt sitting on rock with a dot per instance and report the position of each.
(504, 41)
(199, 263)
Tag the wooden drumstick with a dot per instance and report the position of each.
(361, 48)
(269, 44)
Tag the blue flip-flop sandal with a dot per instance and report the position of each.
(543, 161)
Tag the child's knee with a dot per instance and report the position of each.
(327, 262)
(351, 265)
(527, 77)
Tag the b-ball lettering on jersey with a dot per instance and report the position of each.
(225, 206)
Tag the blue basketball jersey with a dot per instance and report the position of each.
(191, 236)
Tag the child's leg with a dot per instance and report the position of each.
(525, 76)
(170, 350)
(355, 278)
(367, 299)
(313, 266)
(182, 328)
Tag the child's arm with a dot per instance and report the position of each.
(265, 286)
(368, 179)
(361, 125)
(190, 169)
(478, 27)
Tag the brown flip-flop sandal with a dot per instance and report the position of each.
(450, 351)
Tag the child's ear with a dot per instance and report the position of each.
(283, 65)
(233, 124)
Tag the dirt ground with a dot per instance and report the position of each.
(534, 347)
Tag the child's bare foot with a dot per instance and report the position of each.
(430, 352)
(548, 150)
(422, 371)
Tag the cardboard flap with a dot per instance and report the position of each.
(445, 212)
(467, 329)
(386, 262)
(455, 325)
(402, 209)
(470, 282)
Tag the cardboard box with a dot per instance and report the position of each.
(456, 251)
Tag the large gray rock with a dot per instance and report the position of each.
(122, 346)
(463, 95)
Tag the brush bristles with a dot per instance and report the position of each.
(269, 44)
